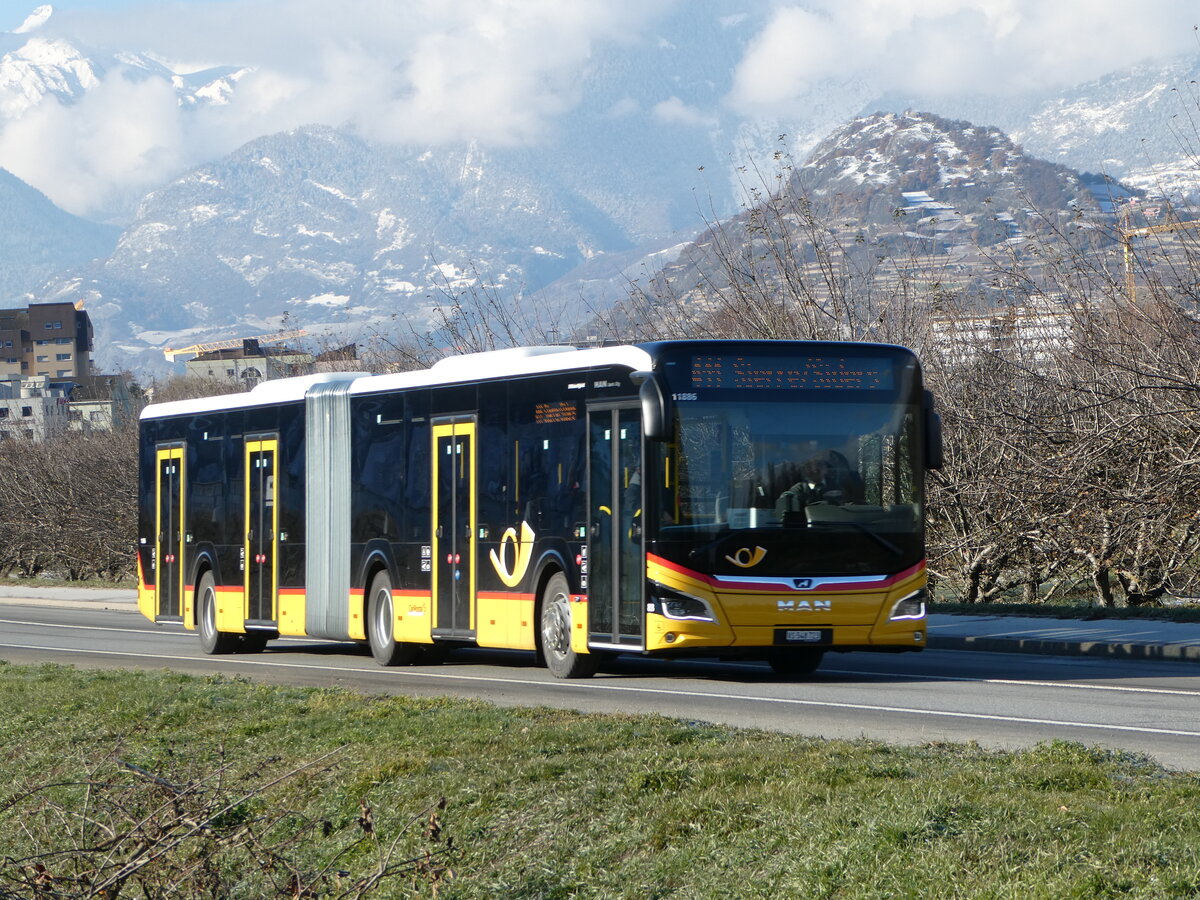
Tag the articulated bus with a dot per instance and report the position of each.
(725, 499)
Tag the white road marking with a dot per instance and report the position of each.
(1017, 682)
(600, 686)
(1012, 682)
(158, 632)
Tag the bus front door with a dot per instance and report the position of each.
(616, 564)
(168, 547)
(454, 526)
(262, 526)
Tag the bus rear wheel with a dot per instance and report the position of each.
(212, 642)
(381, 632)
(794, 663)
(561, 660)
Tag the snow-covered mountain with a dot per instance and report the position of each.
(1138, 125)
(321, 226)
(897, 186)
(966, 169)
(36, 67)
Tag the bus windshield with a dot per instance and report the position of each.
(790, 487)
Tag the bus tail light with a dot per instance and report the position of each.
(910, 607)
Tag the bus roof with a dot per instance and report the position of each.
(462, 369)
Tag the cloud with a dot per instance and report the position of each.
(420, 72)
(122, 132)
(674, 111)
(940, 47)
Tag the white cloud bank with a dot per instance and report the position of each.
(421, 71)
(429, 71)
(939, 47)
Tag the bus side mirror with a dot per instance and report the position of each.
(656, 406)
(933, 435)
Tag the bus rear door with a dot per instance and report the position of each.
(168, 545)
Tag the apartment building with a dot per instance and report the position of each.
(251, 363)
(33, 409)
(50, 339)
(101, 403)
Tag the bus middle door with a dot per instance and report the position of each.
(616, 563)
(262, 528)
(454, 526)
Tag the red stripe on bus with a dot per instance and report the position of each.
(726, 585)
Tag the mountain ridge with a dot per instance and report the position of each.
(43, 237)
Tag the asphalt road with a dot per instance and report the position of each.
(997, 699)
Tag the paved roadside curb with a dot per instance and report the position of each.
(1103, 638)
(106, 603)
(1105, 649)
(68, 597)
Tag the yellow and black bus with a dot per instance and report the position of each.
(755, 499)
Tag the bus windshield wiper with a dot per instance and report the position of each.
(704, 548)
(870, 532)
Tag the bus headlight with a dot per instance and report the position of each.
(910, 607)
(678, 605)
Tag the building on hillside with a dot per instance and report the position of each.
(1034, 332)
(32, 409)
(250, 363)
(339, 359)
(50, 339)
(101, 403)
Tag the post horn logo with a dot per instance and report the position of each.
(745, 558)
(522, 553)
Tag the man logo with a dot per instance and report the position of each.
(522, 554)
(803, 584)
(804, 605)
(745, 558)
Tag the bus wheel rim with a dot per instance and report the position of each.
(383, 617)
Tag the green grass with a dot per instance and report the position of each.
(546, 803)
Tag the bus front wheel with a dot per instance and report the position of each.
(561, 660)
(381, 632)
(212, 641)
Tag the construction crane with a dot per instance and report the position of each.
(1127, 236)
(173, 354)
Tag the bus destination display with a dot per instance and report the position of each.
(812, 373)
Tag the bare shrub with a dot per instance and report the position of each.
(126, 831)
(69, 505)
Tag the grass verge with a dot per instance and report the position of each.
(315, 792)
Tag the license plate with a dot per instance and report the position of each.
(802, 637)
(795, 635)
